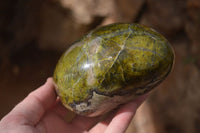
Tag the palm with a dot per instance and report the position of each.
(42, 112)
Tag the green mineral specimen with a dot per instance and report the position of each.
(111, 66)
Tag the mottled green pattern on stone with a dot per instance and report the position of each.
(113, 60)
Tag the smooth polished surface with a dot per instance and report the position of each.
(110, 66)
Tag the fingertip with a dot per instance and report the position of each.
(132, 105)
(49, 84)
(49, 80)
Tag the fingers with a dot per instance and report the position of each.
(101, 126)
(51, 123)
(62, 112)
(122, 119)
(33, 107)
(85, 123)
(119, 122)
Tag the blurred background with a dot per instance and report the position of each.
(34, 34)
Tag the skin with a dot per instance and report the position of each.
(42, 112)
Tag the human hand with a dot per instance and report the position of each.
(42, 112)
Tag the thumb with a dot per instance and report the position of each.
(33, 107)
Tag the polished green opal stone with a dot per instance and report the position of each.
(110, 66)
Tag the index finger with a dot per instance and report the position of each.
(122, 119)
